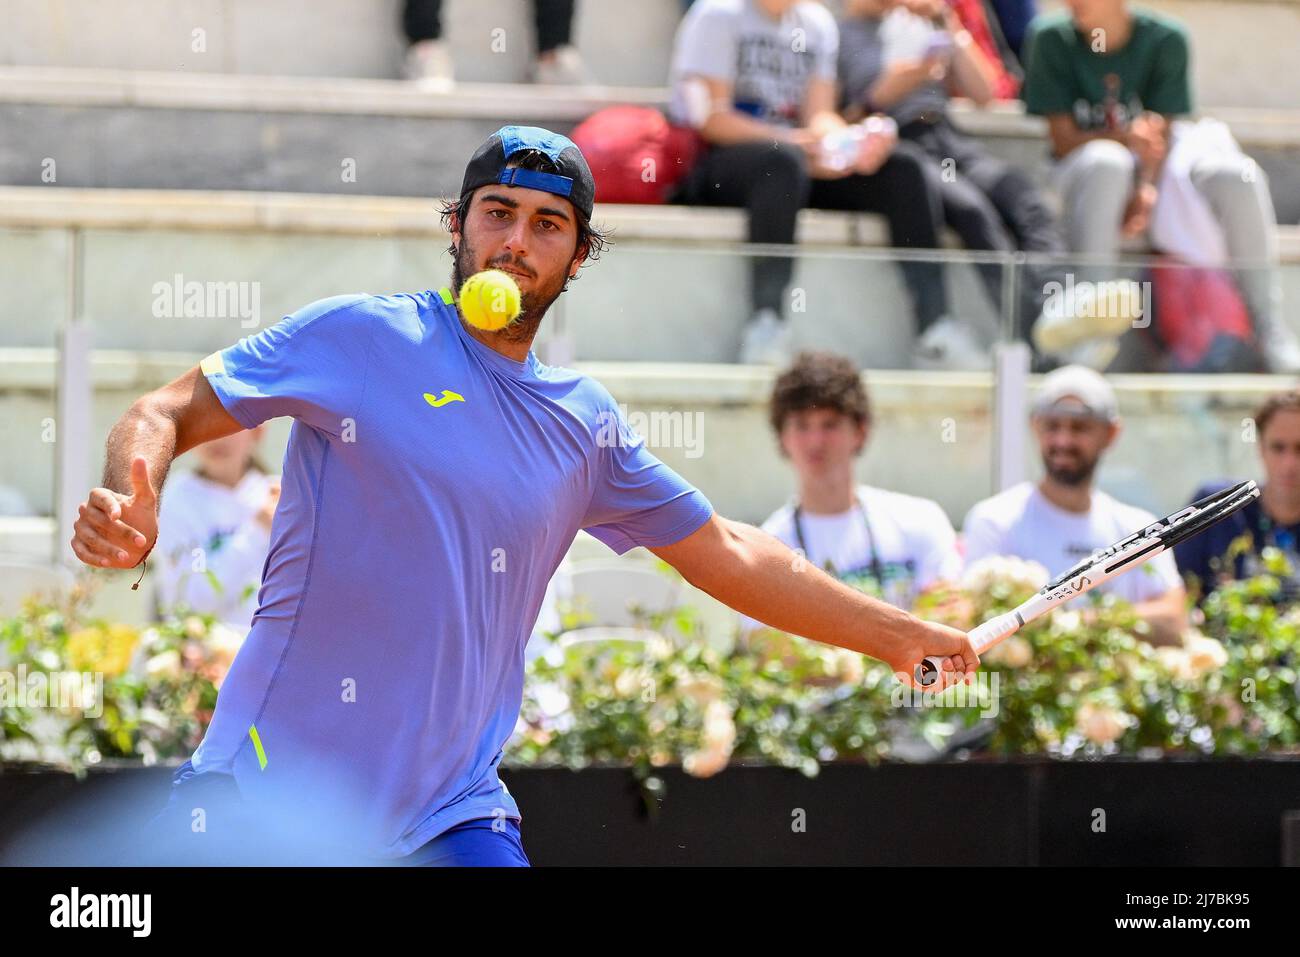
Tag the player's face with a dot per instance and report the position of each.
(821, 441)
(1072, 446)
(1279, 447)
(528, 233)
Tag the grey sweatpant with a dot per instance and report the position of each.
(1096, 180)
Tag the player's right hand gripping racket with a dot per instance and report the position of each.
(1124, 555)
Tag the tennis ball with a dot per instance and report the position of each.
(489, 299)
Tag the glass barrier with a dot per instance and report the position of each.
(34, 285)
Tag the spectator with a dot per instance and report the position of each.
(215, 531)
(895, 60)
(1013, 18)
(429, 61)
(885, 543)
(1110, 79)
(1231, 549)
(977, 20)
(757, 79)
(1063, 519)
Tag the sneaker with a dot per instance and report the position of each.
(1280, 351)
(429, 66)
(564, 68)
(950, 344)
(1103, 310)
(1096, 354)
(766, 340)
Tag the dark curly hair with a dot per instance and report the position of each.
(819, 380)
(593, 237)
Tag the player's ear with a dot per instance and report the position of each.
(579, 257)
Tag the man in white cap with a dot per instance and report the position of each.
(1063, 518)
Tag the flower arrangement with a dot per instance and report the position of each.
(1081, 682)
(75, 691)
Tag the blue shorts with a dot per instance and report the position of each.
(231, 830)
(486, 842)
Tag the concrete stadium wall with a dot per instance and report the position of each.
(1242, 49)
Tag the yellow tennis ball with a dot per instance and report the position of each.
(489, 299)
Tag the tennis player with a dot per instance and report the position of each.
(435, 476)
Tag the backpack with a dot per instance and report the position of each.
(635, 154)
(1201, 322)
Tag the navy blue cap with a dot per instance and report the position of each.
(573, 181)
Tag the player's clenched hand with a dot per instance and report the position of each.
(116, 530)
(926, 638)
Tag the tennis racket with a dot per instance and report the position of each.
(1125, 555)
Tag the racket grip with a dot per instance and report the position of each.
(983, 637)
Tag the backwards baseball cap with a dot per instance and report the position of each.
(573, 180)
(1077, 391)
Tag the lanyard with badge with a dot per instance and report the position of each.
(871, 540)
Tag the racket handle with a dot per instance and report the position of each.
(982, 638)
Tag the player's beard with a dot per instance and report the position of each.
(532, 305)
(1079, 472)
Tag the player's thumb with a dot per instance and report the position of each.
(141, 487)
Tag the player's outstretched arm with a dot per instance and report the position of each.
(759, 576)
(118, 522)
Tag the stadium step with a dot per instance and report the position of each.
(1241, 49)
(138, 130)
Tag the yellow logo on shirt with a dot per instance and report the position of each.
(447, 396)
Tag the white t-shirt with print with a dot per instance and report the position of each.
(221, 524)
(915, 544)
(1022, 522)
(768, 62)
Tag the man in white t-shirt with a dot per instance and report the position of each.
(885, 543)
(1063, 519)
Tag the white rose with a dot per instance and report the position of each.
(194, 627)
(1014, 652)
(1204, 654)
(848, 667)
(703, 689)
(1175, 661)
(706, 762)
(166, 664)
(1066, 620)
(1100, 723)
(629, 682)
(719, 730)
(995, 569)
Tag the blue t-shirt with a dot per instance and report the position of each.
(430, 488)
(1204, 559)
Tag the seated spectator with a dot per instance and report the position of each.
(1110, 79)
(1231, 549)
(214, 531)
(895, 60)
(1063, 519)
(429, 61)
(978, 21)
(756, 78)
(885, 543)
(1013, 18)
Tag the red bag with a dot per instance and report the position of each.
(1201, 320)
(635, 154)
